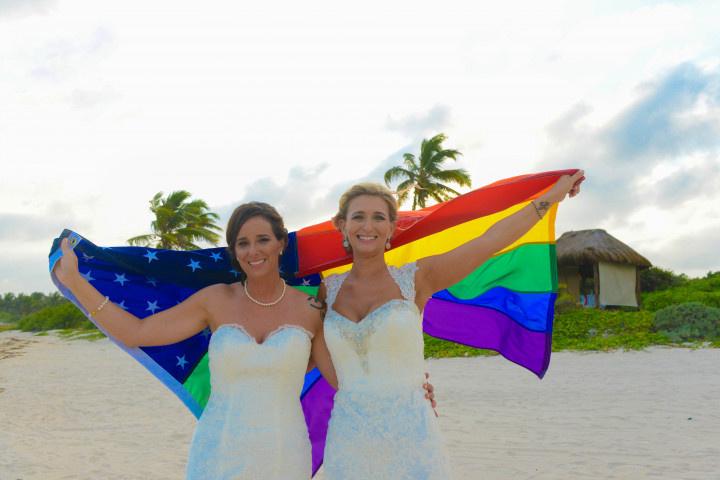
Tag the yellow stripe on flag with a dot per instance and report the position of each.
(448, 239)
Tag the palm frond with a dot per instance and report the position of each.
(403, 190)
(410, 163)
(396, 172)
(441, 155)
(180, 222)
(447, 192)
(141, 240)
(458, 175)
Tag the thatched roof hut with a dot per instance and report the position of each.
(597, 266)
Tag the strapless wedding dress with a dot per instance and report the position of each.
(382, 426)
(253, 426)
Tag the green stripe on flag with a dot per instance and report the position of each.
(198, 383)
(529, 268)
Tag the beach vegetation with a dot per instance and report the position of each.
(705, 290)
(13, 307)
(55, 317)
(437, 348)
(4, 327)
(594, 329)
(688, 321)
(655, 278)
(179, 223)
(81, 334)
(424, 178)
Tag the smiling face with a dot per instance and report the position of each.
(367, 225)
(257, 249)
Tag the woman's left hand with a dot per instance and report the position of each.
(430, 393)
(566, 185)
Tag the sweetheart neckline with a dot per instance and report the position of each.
(362, 320)
(284, 326)
(392, 271)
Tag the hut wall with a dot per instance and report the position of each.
(570, 276)
(617, 284)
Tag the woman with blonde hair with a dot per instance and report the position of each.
(381, 426)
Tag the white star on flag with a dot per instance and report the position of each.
(306, 282)
(120, 279)
(150, 256)
(195, 265)
(216, 256)
(152, 306)
(87, 276)
(181, 362)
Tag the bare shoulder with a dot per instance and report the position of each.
(308, 308)
(217, 291)
(218, 298)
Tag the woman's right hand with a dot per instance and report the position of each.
(66, 269)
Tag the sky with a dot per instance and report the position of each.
(103, 104)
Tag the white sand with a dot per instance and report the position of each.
(78, 409)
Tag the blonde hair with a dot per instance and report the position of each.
(366, 188)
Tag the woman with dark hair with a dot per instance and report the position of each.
(263, 333)
(380, 426)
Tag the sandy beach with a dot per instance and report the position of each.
(85, 410)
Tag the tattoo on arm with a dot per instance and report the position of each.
(541, 208)
(316, 303)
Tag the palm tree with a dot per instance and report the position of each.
(425, 177)
(179, 223)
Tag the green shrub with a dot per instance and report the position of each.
(436, 348)
(688, 321)
(676, 296)
(653, 279)
(22, 304)
(703, 290)
(56, 317)
(593, 329)
(4, 327)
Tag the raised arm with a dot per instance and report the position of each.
(166, 327)
(439, 272)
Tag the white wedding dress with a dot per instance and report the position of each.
(382, 426)
(253, 426)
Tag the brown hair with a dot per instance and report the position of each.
(366, 188)
(242, 214)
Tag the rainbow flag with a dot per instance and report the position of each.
(505, 305)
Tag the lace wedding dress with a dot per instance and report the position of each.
(253, 425)
(382, 426)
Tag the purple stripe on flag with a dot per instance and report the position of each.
(483, 327)
(317, 405)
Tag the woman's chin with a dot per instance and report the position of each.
(367, 250)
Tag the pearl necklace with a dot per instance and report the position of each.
(265, 304)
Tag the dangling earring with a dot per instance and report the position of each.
(387, 244)
(345, 243)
